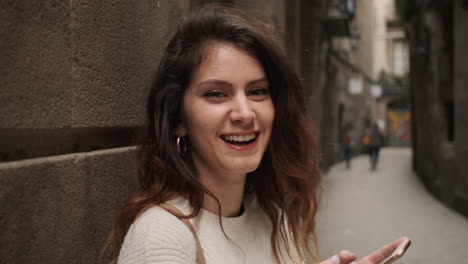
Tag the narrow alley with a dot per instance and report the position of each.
(364, 209)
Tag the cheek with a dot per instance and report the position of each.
(207, 115)
(194, 113)
(196, 127)
(270, 115)
(203, 122)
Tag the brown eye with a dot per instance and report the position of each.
(215, 94)
(260, 92)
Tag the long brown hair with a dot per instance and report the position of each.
(287, 179)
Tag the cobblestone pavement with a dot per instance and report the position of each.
(363, 209)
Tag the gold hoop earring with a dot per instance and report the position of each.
(179, 141)
(178, 144)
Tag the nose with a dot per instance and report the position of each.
(242, 111)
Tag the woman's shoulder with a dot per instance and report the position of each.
(157, 219)
(158, 236)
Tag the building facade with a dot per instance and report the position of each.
(366, 77)
(439, 66)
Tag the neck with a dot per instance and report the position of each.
(229, 193)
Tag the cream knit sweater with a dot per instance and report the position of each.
(159, 237)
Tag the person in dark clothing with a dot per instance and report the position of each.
(348, 147)
(376, 141)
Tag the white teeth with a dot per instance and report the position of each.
(239, 138)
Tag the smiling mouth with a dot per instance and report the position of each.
(240, 140)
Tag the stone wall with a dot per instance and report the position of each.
(461, 102)
(59, 209)
(75, 77)
(439, 98)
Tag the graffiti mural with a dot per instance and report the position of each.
(399, 127)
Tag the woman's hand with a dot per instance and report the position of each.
(346, 257)
(343, 257)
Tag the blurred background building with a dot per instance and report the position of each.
(365, 75)
(75, 76)
(439, 95)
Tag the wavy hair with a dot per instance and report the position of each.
(287, 181)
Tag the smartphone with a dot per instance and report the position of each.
(398, 252)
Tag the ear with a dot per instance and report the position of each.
(181, 130)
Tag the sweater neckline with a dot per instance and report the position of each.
(229, 223)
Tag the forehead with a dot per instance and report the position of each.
(228, 62)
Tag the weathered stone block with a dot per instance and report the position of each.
(117, 48)
(60, 209)
(81, 63)
(36, 80)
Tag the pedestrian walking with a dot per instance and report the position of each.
(228, 169)
(348, 141)
(376, 141)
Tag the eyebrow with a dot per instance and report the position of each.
(226, 83)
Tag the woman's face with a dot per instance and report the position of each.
(228, 112)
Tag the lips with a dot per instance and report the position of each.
(241, 141)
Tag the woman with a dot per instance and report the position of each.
(229, 147)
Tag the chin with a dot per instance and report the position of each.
(244, 167)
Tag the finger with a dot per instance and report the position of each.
(382, 253)
(333, 260)
(346, 256)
